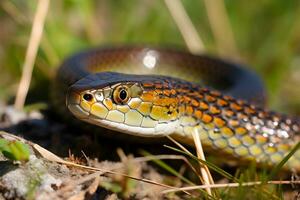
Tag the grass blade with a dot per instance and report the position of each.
(279, 166)
(208, 164)
(168, 168)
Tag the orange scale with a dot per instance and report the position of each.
(219, 122)
(203, 105)
(249, 110)
(184, 90)
(173, 92)
(222, 102)
(214, 110)
(174, 101)
(228, 113)
(206, 118)
(187, 99)
(195, 103)
(194, 94)
(189, 110)
(162, 101)
(210, 98)
(148, 85)
(198, 114)
(242, 116)
(167, 92)
(199, 96)
(215, 93)
(228, 98)
(241, 131)
(148, 97)
(235, 106)
(158, 91)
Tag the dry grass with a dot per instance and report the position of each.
(32, 49)
(185, 26)
(231, 185)
(221, 28)
(207, 178)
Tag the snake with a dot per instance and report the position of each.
(153, 92)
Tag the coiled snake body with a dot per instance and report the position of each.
(152, 92)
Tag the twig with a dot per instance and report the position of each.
(225, 185)
(34, 41)
(207, 178)
(186, 27)
(221, 28)
(179, 145)
(52, 157)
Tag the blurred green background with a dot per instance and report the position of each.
(267, 34)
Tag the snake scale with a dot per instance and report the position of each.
(154, 92)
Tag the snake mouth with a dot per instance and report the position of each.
(78, 111)
(160, 130)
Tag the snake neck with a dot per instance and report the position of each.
(239, 128)
(223, 114)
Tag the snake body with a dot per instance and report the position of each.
(153, 92)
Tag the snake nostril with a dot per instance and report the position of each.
(87, 97)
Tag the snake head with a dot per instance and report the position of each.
(135, 104)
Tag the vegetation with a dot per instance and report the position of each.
(15, 150)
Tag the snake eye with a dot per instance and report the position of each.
(88, 97)
(121, 95)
